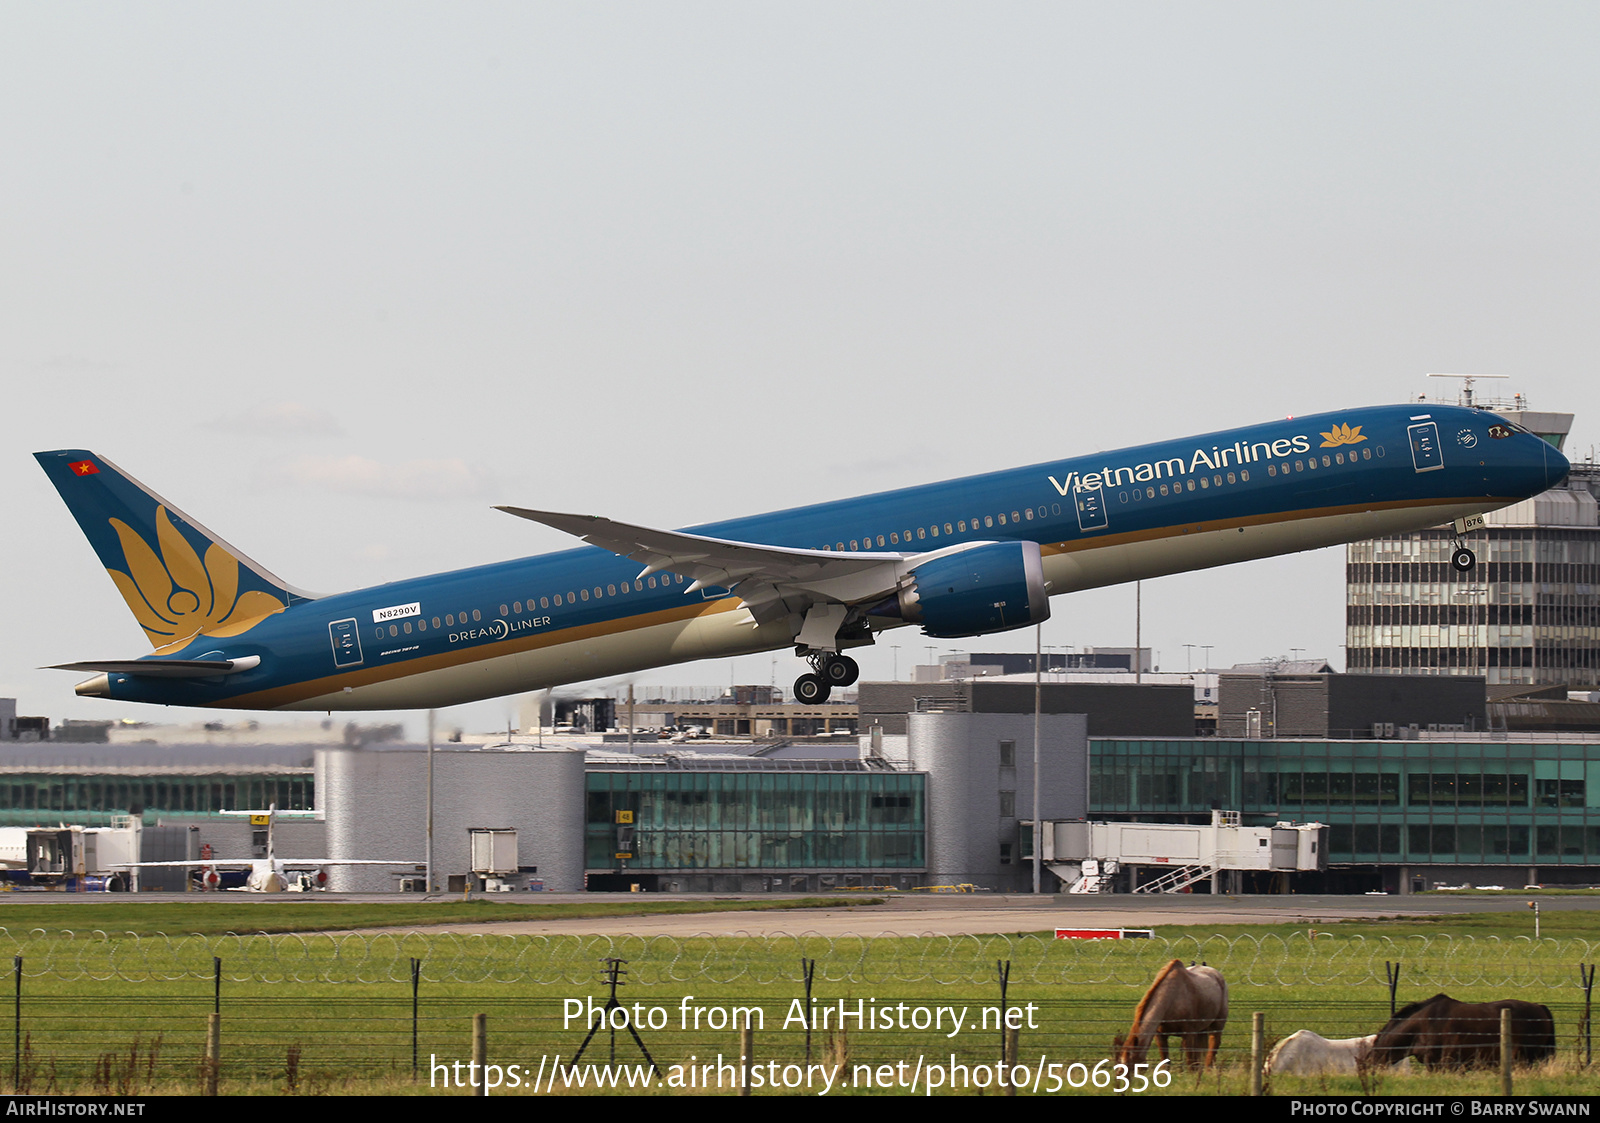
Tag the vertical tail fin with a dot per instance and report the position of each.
(178, 578)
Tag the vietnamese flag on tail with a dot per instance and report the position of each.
(84, 467)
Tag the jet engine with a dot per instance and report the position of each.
(987, 587)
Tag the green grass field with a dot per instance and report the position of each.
(326, 1014)
(20, 912)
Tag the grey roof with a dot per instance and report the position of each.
(1287, 667)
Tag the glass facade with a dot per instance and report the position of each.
(756, 820)
(1528, 613)
(1461, 802)
(27, 799)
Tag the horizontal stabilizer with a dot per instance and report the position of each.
(165, 668)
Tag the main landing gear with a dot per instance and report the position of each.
(829, 670)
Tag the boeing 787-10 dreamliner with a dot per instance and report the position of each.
(965, 557)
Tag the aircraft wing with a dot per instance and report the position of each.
(296, 863)
(773, 581)
(198, 863)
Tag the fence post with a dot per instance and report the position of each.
(480, 1053)
(213, 1062)
(16, 1056)
(1258, 1035)
(1391, 972)
(1003, 969)
(1505, 1051)
(1586, 980)
(216, 984)
(747, 1046)
(416, 976)
(1010, 1061)
(808, 968)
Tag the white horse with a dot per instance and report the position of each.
(1304, 1053)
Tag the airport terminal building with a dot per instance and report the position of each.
(1511, 809)
(945, 801)
(583, 815)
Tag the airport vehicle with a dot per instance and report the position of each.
(961, 558)
(271, 874)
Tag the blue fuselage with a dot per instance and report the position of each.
(1137, 512)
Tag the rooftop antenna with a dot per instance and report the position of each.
(1466, 383)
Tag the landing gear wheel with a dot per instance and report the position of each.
(1463, 559)
(811, 690)
(840, 671)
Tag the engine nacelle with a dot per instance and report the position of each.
(989, 587)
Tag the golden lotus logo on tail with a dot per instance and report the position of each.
(1342, 435)
(174, 595)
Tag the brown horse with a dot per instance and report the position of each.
(1186, 1002)
(1444, 1033)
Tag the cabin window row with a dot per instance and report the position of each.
(1204, 483)
(1310, 463)
(599, 592)
(933, 530)
(451, 620)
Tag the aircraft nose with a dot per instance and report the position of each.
(1556, 465)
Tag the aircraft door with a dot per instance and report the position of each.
(346, 643)
(1426, 455)
(1091, 508)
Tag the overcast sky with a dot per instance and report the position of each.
(335, 278)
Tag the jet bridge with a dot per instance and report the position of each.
(75, 854)
(1088, 856)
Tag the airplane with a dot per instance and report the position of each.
(13, 848)
(965, 557)
(271, 874)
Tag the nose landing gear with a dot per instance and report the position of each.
(1463, 559)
